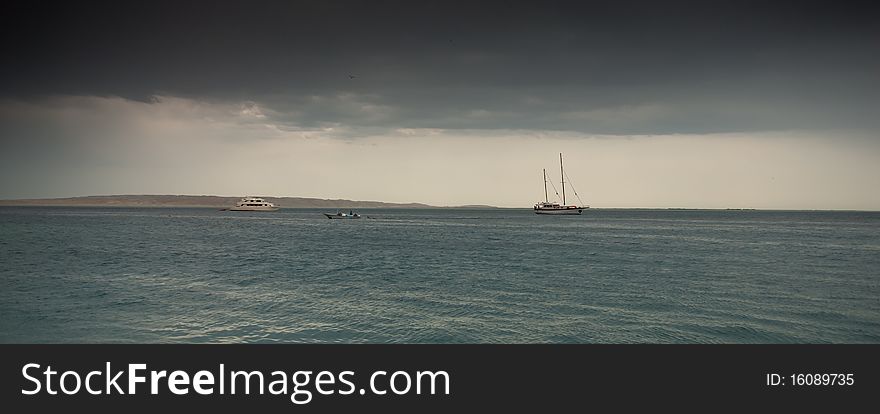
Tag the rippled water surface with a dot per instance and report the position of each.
(428, 276)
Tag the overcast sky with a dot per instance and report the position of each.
(655, 104)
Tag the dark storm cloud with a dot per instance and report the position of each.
(605, 67)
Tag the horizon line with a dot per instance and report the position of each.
(474, 205)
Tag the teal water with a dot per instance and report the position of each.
(429, 276)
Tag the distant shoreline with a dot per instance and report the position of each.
(219, 202)
(208, 201)
(372, 205)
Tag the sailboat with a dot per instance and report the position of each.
(548, 207)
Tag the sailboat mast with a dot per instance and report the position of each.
(546, 199)
(562, 175)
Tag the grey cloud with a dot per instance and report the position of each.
(593, 67)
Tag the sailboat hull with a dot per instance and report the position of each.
(571, 211)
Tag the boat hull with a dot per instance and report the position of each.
(253, 209)
(560, 211)
(337, 216)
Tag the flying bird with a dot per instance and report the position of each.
(351, 76)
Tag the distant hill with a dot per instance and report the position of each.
(204, 201)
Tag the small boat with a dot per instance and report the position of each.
(339, 215)
(254, 204)
(548, 207)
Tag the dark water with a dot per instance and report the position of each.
(201, 275)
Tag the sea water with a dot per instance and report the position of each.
(438, 276)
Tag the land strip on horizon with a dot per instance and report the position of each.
(210, 201)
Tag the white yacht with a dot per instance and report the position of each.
(254, 204)
(552, 207)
